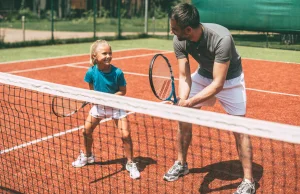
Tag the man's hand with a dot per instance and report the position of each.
(182, 102)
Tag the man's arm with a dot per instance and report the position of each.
(219, 77)
(184, 79)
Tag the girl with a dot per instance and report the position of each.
(102, 76)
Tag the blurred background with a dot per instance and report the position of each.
(260, 23)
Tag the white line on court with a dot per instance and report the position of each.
(83, 62)
(270, 92)
(50, 67)
(75, 65)
(76, 55)
(130, 73)
(293, 63)
(251, 89)
(50, 137)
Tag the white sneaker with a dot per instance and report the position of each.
(246, 187)
(133, 170)
(82, 160)
(176, 171)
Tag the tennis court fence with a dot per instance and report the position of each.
(37, 148)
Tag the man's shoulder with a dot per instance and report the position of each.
(213, 26)
(216, 29)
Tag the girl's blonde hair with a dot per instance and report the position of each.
(93, 48)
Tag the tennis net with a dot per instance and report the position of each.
(37, 148)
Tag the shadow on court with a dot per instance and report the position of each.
(142, 163)
(9, 190)
(228, 171)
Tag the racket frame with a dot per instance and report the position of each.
(172, 97)
(53, 107)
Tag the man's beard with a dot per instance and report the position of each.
(181, 38)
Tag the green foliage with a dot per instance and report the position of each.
(71, 14)
(159, 13)
(61, 49)
(113, 21)
(264, 41)
(17, 15)
(163, 5)
(103, 12)
(49, 15)
(27, 13)
(2, 35)
(22, 4)
(4, 45)
(123, 12)
(88, 14)
(134, 22)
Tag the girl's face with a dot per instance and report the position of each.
(103, 55)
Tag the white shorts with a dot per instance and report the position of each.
(232, 97)
(100, 111)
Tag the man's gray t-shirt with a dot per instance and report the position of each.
(216, 45)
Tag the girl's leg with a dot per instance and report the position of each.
(124, 130)
(86, 156)
(89, 126)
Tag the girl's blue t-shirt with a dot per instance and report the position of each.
(105, 82)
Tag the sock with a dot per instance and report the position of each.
(247, 181)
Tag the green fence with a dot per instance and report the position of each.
(263, 23)
(85, 19)
(274, 24)
(281, 16)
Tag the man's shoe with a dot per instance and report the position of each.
(176, 171)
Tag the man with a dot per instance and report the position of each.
(220, 76)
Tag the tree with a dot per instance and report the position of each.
(37, 7)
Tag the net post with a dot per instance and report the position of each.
(95, 15)
(146, 17)
(52, 21)
(23, 27)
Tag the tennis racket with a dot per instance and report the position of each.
(161, 78)
(65, 107)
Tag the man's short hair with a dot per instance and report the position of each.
(185, 15)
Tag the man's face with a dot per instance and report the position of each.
(180, 33)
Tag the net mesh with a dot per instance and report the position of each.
(37, 148)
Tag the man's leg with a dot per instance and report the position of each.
(244, 149)
(233, 100)
(184, 138)
(180, 167)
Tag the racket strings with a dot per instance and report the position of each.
(65, 106)
(161, 78)
(165, 89)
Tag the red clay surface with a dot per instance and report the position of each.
(273, 95)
